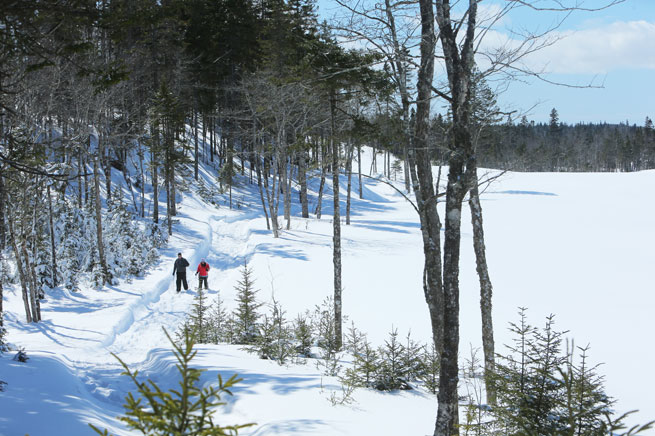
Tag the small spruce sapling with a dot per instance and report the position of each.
(21, 356)
(411, 357)
(187, 410)
(247, 312)
(275, 338)
(199, 318)
(326, 338)
(325, 326)
(476, 420)
(303, 332)
(541, 390)
(393, 373)
(366, 365)
(217, 322)
(354, 339)
(430, 368)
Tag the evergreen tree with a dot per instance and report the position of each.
(274, 340)
(366, 365)
(411, 358)
(217, 322)
(430, 368)
(324, 324)
(554, 124)
(542, 390)
(303, 332)
(199, 318)
(186, 410)
(247, 314)
(392, 373)
(585, 402)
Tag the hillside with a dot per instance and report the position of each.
(576, 245)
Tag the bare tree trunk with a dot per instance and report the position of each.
(155, 179)
(459, 62)
(287, 171)
(406, 169)
(21, 271)
(349, 169)
(105, 164)
(53, 252)
(261, 190)
(3, 233)
(98, 210)
(35, 303)
(336, 238)
(80, 171)
(302, 179)
(486, 290)
(167, 183)
(143, 182)
(273, 195)
(321, 185)
(447, 415)
(194, 116)
(173, 190)
(359, 170)
(388, 164)
(212, 138)
(229, 161)
(204, 138)
(421, 174)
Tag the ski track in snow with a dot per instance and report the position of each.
(151, 305)
(227, 237)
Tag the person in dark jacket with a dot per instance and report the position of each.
(180, 268)
(202, 272)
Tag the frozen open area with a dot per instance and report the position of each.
(578, 245)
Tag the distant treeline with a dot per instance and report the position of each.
(554, 146)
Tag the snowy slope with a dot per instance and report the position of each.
(577, 245)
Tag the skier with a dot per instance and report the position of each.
(180, 267)
(202, 272)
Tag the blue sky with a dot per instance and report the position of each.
(613, 48)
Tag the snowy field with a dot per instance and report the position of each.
(576, 245)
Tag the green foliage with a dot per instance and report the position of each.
(275, 338)
(393, 371)
(544, 390)
(324, 324)
(430, 368)
(186, 411)
(303, 332)
(199, 318)
(247, 313)
(366, 365)
(527, 379)
(217, 323)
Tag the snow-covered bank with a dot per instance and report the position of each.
(577, 245)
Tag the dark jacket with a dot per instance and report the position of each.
(180, 265)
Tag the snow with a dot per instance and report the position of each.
(576, 245)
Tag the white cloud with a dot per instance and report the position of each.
(619, 45)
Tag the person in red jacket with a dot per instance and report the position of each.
(202, 273)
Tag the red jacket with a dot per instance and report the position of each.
(203, 269)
